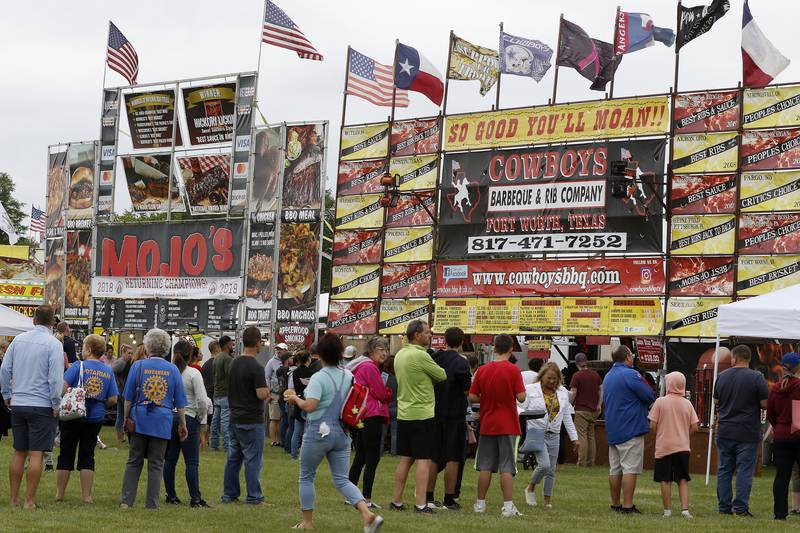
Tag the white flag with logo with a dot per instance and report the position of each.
(7, 226)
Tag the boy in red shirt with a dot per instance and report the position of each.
(673, 418)
(498, 386)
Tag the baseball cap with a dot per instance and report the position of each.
(349, 352)
(581, 358)
(281, 346)
(790, 361)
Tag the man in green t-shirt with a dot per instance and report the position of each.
(416, 372)
(222, 413)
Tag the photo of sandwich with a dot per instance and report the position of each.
(81, 188)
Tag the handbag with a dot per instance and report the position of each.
(73, 403)
(795, 427)
(130, 423)
(534, 441)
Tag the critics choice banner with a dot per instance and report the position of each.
(708, 111)
(770, 191)
(551, 199)
(696, 194)
(151, 117)
(698, 276)
(772, 107)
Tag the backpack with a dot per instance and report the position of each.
(354, 405)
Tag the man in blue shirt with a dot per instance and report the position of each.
(626, 397)
(31, 378)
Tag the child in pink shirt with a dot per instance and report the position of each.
(673, 419)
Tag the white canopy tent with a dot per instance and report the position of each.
(13, 323)
(771, 316)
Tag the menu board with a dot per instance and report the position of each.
(144, 314)
(497, 314)
(178, 314)
(584, 316)
(540, 315)
(635, 316)
(220, 315)
(453, 312)
(151, 116)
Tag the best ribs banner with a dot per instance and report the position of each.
(693, 317)
(705, 152)
(359, 246)
(552, 199)
(360, 177)
(707, 111)
(177, 260)
(414, 137)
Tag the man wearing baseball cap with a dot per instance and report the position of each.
(270, 373)
(786, 444)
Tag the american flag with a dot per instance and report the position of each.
(38, 218)
(121, 56)
(373, 82)
(280, 30)
(206, 162)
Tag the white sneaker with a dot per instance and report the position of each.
(374, 526)
(667, 513)
(511, 512)
(479, 507)
(530, 497)
(686, 514)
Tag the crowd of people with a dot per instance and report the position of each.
(430, 407)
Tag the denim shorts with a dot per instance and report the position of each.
(34, 428)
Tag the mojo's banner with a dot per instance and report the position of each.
(551, 277)
(353, 317)
(177, 260)
(298, 272)
(151, 117)
(361, 211)
(770, 191)
(770, 149)
(702, 234)
(707, 111)
(693, 317)
(396, 314)
(210, 113)
(774, 233)
(364, 142)
(772, 107)
(602, 119)
(412, 210)
(762, 274)
(260, 285)
(359, 246)
(355, 282)
(701, 276)
(412, 280)
(81, 159)
(697, 194)
(360, 177)
(415, 172)
(705, 152)
(408, 244)
(552, 200)
(417, 136)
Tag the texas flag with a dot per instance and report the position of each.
(414, 72)
(761, 61)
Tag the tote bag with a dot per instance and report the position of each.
(73, 403)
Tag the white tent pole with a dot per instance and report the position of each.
(711, 418)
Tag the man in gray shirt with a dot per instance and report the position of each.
(220, 420)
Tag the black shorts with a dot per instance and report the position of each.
(673, 467)
(34, 428)
(416, 438)
(452, 440)
(78, 436)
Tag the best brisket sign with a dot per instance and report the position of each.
(177, 260)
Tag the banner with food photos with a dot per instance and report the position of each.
(771, 107)
(240, 164)
(151, 117)
(360, 177)
(109, 123)
(769, 233)
(357, 246)
(21, 274)
(298, 272)
(408, 244)
(760, 274)
(362, 211)
(78, 276)
(54, 264)
(406, 280)
(81, 159)
(148, 178)
(210, 112)
(259, 286)
(693, 317)
(396, 314)
(411, 210)
(303, 170)
(206, 180)
(706, 111)
(364, 142)
(702, 234)
(701, 276)
(416, 136)
(770, 149)
(267, 173)
(350, 282)
(355, 317)
(770, 191)
(699, 194)
(415, 172)
(57, 171)
(705, 152)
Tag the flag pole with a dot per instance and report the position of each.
(447, 73)
(105, 61)
(346, 79)
(497, 96)
(258, 64)
(677, 49)
(394, 81)
(614, 54)
(558, 57)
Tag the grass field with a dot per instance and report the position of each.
(580, 504)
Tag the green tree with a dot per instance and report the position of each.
(327, 242)
(15, 210)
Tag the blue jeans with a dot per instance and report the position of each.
(191, 456)
(120, 420)
(246, 446)
(297, 436)
(739, 457)
(285, 430)
(336, 447)
(220, 422)
(546, 462)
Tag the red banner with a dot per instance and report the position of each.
(360, 246)
(694, 194)
(776, 233)
(770, 149)
(551, 277)
(352, 317)
(701, 276)
(412, 280)
(412, 210)
(709, 111)
(650, 350)
(360, 177)
(295, 335)
(412, 137)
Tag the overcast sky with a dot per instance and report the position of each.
(53, 52)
